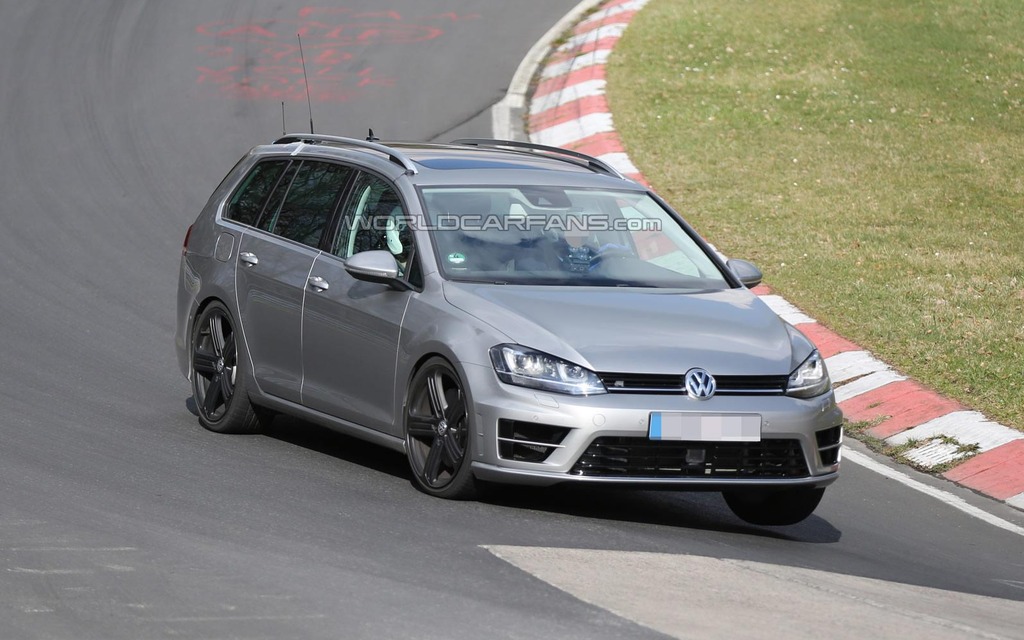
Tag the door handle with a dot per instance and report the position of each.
(318, 284)
(249, 259)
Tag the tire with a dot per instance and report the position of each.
(219, 379)
(774, 508)
(438, 433)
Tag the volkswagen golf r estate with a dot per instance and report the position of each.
(500, 312)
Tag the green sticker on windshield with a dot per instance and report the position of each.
(456, 258)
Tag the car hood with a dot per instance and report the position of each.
(656, 331)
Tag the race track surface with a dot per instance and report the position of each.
(120, 517)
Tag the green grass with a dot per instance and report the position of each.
(868, 155)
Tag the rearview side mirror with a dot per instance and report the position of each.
(376, 266)
(747, 273)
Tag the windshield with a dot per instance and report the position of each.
(556, 236)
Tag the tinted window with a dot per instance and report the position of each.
(269, 216)
(373, 219)
(247, 203)
(310, 201)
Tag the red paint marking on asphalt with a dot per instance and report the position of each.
(266, 64)
(998, 472)
(907, 403)
(454, 17)
(829, 342)
(764, 290)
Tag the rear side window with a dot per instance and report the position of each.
(247, 203)
(312, 196)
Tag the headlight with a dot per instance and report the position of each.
(528, 368)
(810, 378)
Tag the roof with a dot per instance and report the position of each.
(490, 161)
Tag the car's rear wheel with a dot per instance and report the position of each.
(774, 508)
(219, 378)
(437, 432)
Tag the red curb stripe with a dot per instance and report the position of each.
(619, 18)
(568, 112)
(586, 47)
(597, 144)
(998, 473)
(907, 403)
(829, 342)
(559, 83)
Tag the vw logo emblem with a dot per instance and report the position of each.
(700, 385)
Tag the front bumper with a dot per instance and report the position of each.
(809, 429)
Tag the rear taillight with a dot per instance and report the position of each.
(184, 246)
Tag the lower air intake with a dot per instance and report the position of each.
(640, 457)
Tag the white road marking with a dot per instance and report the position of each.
(786, 310)
(868, 383)
(957, 503)
(570, 93)
(561, 135)
(935, 452)
(76, 549)
(702, 597)
(49, 572)
(853, 364)
(620, 161)
(315, 616)
(594, 58)
(968, 427)
(606, 31)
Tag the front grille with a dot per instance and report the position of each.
(673, 384)
(829, 441)
(528, 441)
(640, 457)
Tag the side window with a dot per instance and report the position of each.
(247, 203)
(373, 219)
(270, 211)
(306, 209)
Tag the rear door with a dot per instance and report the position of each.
(274, 263)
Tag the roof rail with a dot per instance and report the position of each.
(593, 163)
(394, 155)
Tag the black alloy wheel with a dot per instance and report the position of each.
(218, 379)
(437, 428)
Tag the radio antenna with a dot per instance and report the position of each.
(305, 79)
(284, 127)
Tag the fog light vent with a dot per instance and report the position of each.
(528, 441)
(829, 441)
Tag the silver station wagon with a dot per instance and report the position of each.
(500, 312)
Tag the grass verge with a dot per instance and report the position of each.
(866, 154)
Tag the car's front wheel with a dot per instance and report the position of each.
(438, 433)
(218, 376)
(774, 508)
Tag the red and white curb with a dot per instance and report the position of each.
(568, 108)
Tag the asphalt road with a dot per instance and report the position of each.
(121, 518)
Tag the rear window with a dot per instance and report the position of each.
(247, 203)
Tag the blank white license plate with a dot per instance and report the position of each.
(705, 427)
